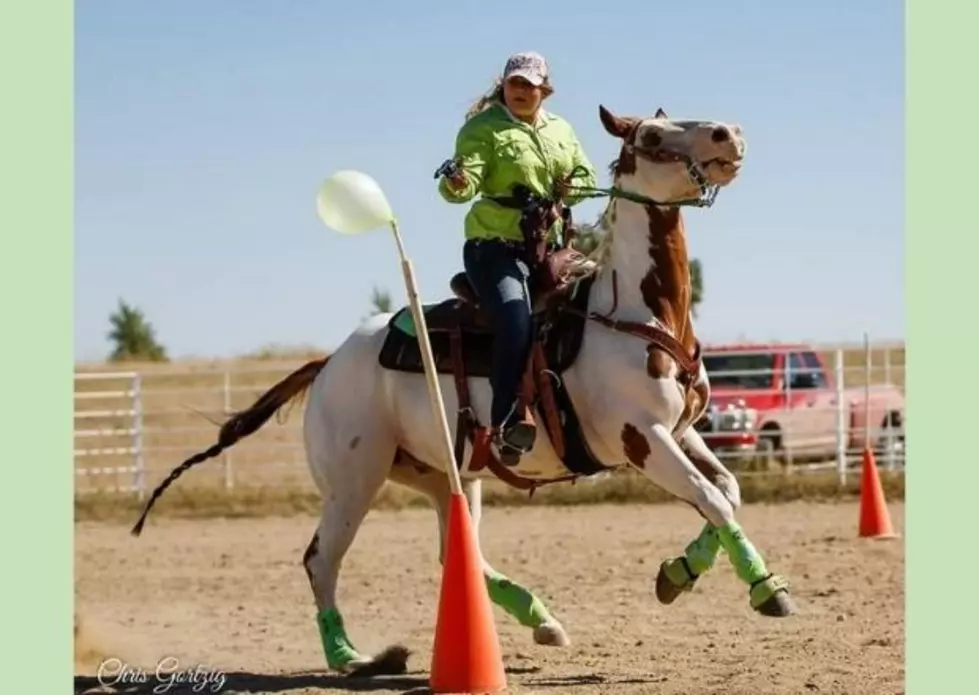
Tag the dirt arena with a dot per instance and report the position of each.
(231, 597)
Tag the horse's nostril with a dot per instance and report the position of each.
(720, 134)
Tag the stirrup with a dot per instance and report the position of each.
(508, 454)
(525, 434)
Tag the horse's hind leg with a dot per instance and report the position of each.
(350, 482)
(515, 599)
(679, 574)
(518, 601)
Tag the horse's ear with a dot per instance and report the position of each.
(618, 127)
(660, 113)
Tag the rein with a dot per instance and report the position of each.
(708, 191)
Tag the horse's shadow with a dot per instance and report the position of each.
(570, 681)
(244, 683)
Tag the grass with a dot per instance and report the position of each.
(626, 487)
(182, 402)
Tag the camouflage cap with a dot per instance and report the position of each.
(529, 65)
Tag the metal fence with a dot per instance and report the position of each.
(806, 410)
(133, 427)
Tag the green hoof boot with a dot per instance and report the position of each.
(674, 578)
(770, 597)
(343, 658)
(340, 653)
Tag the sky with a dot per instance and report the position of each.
(203, 131)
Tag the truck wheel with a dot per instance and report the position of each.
(769, 449)
(893, 447)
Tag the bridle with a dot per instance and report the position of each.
(708, 191)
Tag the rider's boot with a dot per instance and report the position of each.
(517, 435)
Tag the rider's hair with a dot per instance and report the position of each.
(495, 94)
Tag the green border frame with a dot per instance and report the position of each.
(36, 284)
(940, 229)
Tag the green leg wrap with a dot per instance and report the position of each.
(516, 600)
(747, 561)
(337, 647)
(703, 550)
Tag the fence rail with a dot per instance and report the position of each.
(133, 427)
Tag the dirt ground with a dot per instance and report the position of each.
(230, 597)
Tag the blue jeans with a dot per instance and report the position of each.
(499, 277)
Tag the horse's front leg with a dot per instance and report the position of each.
(679, 574)
(649, 446)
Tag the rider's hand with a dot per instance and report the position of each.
(561, 187)
(457, 181)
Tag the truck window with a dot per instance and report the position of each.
(817, 368)
(742, 370)
(808, 365)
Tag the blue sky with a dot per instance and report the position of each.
(204, 129)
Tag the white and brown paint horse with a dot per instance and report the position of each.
(635, 400)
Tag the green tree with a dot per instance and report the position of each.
(380, 302)
(696, 285)
(587, 238)
(133, 336)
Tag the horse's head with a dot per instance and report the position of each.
(674, 160)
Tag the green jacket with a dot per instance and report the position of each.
(497, 151)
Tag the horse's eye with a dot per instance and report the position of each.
(651, 139)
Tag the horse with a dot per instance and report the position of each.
(615, 376)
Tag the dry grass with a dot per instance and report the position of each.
(625, 487)
(181, 403)
(886, 366)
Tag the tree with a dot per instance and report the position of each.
(587, 238)
(696, 285)
(380, 302)
(133, 336)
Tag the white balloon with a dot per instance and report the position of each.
(351, 202)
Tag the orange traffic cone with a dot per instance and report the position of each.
(875, 520)
(466, 654)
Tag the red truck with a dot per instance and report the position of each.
(779, 404)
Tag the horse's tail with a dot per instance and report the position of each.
(242, 424)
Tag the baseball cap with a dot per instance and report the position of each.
(529, 65)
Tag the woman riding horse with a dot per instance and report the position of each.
(511, 148)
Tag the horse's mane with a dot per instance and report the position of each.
(594, 261)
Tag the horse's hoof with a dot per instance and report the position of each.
(780, 605)
(393, 661)
(673, 579)
(551, 634)
(770, 597)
